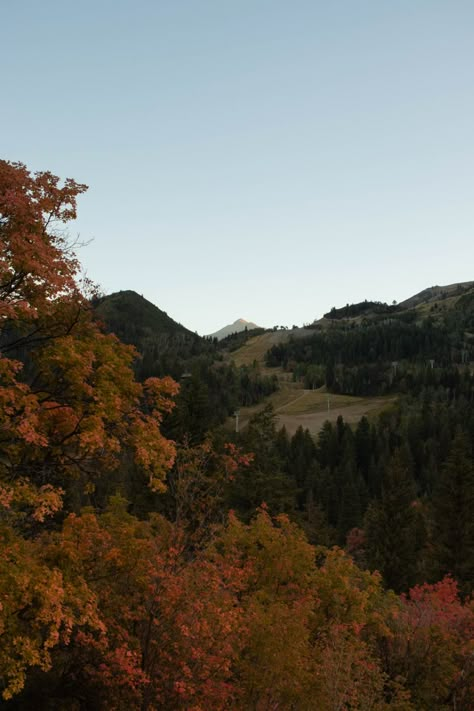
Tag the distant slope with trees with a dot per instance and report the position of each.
(375, 349)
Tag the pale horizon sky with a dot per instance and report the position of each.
(258, 159)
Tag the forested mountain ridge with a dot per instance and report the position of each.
(164, 344)
(437, 293)
(434, 300)
(371, 348)
(137, 321)
(124, 309)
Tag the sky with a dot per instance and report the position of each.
(262, 159)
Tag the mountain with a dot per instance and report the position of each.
(166, 345)
(133, 318)
(237, 327)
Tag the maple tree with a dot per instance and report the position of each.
(36, 262)
(70, 406)
(39, 608)
(312, 629)
(169, 627)
(70, 402)
(432, 646)
(278, 602)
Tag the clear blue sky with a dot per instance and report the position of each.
(262, 159)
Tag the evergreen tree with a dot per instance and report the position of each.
(264, 481)
(283, 443)
(394, 528)
(301, 456)
(328, 446)
(350, 508)
(453, 516)
(363, 447)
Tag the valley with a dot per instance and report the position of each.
(295, 406)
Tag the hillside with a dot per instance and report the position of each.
(361, 356)
(350, 354)
(134, 318)
(372, 349)
(436, 293)
(255, 347)
(166, 346)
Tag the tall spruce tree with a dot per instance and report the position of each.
(394, 528)
(453, 516)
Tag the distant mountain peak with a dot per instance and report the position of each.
(237, 326)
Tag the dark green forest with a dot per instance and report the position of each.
(403, 351)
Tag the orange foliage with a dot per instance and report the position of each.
(70, 407)
(80, 408)
(39, 609)
(36, 265)
(433, 645)
(173, 626)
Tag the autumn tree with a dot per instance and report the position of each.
(431, 647)
(37, 265)
(70, 402)
(69, 409)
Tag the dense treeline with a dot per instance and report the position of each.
(143, 572)
(414, 465)
(377, 356)
(352, 310)
(210, 393)
(388, 340)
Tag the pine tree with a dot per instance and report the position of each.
(453, 516)
(363, 447)
(350, 508)
(394, 528)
